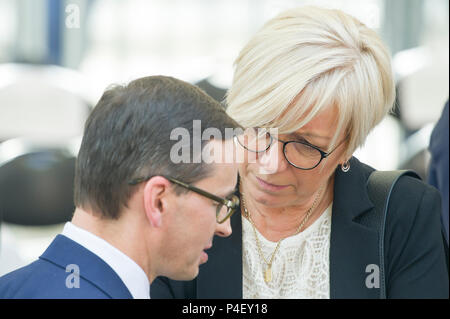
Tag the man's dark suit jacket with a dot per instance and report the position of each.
(47, 277)
(414, 251)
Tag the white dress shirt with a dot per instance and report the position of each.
(132, 275)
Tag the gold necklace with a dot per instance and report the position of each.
(268, 271)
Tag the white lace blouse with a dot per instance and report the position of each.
(300, 268)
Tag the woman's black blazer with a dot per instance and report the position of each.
(415, 257)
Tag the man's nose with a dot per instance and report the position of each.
(224, 229)
(272, 161)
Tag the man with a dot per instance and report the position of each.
(140, 212)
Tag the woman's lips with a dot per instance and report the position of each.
(269, 186)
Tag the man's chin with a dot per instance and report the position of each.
(190, 270)
(188, 273)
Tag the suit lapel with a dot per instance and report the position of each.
(351, 242)
(64, 251)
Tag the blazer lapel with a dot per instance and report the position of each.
(352, 243)
(64, 251)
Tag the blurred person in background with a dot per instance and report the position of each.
(438, 170)
(324, 81)
(138, 213)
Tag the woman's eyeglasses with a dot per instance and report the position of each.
(299, 154)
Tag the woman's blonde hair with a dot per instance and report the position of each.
(305, 60)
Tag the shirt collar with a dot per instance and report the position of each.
(132, 275)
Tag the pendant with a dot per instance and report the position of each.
(268, 274)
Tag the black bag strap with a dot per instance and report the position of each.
(379, 186)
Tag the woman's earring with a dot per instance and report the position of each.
(345, 167)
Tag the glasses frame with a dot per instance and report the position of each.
(322, 153)
(231, 204)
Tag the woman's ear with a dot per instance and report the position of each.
(156, 190)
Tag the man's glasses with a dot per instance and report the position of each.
(225, 206)
(299, 154)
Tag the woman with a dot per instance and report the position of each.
(323, 80)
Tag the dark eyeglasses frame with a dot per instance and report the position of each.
(322, 153)
(232, 204)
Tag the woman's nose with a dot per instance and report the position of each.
(272, 161)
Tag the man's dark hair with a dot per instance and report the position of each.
(127, 136)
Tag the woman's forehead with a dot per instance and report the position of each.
(321, 130)
(322, 125)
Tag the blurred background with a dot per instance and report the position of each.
(57, 57)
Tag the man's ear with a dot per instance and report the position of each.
(156, 190)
